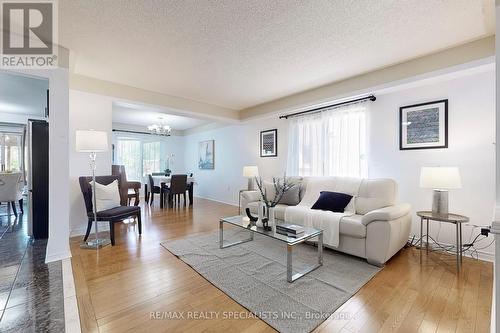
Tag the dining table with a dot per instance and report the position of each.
(165, 181)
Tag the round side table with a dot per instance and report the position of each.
(448, 218)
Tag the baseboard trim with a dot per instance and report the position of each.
(58, 256)
(219, 201)
(81, 230)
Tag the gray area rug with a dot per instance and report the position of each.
(254, 275)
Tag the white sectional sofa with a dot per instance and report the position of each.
(378, 227)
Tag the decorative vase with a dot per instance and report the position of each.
(270, 217)
(260, 214)
(266, 221)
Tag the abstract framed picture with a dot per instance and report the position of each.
(424, 126)
(269, 143)
(206, 155)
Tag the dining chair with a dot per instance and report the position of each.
(153, 189)
(112, 215)
(190, 185)
(11, 190)
(130, 188)
(178, 187)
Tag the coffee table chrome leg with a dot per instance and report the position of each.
(320, 249)
(221, 237)
(290, 277)
(221, 234)
(289, 255)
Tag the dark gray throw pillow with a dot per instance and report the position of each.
(332, 201)
(292, 196)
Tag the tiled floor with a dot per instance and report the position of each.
(31, 292)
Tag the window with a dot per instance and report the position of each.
(328, 143)
(11, 151)
(128, 153)
(150, 157)
(139, 156)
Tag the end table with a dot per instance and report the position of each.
(449, 218)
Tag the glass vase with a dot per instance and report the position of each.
(260, 213)
(270, 216)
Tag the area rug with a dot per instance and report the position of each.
(254, 275)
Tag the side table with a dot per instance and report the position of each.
(449, 218)
(239, 200)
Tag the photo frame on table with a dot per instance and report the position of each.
(269, 143)
(424, 125)
(206, 155)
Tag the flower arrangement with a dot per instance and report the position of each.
(281, 186)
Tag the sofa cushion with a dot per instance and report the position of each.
(352, 226)
(314, 185)
(291, 197)
(117, 212)
(332, 201)
(375, 194)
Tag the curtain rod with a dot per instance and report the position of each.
(136, 132)
(356, 100)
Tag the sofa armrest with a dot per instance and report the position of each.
(386, 213)
(248, 197)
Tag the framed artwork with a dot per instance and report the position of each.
(424, 126)
(206, 154)
(269, 143)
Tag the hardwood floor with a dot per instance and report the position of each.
(121, 288)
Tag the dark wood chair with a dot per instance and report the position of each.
(153, 189)
(178, 187)
(190, 189)
(130, 188)
(113, 215)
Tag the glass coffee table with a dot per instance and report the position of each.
(241, 222)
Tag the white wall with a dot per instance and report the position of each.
(471, 114)
(58, 243)
(471, 138)
(235, 147)
(86, 111)
(173, 144)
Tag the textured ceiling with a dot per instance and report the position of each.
(240, 53)
(127, 113)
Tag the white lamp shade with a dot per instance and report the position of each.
(250, 171)
(440, 178)
(90, 141)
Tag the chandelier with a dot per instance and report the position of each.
(160, 129)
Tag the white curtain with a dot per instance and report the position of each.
(329, 143)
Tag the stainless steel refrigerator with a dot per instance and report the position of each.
(37, 141)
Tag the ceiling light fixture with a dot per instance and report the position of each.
(160, 129)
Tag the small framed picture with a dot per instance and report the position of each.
(206, 155)
(424, 126)
(269, 143)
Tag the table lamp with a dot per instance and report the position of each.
(250, 172)
(440, 179)
(92, 142)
